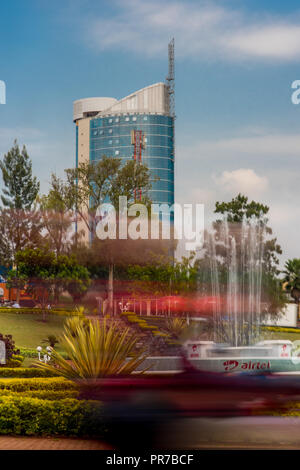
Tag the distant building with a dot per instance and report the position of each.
(139, 126)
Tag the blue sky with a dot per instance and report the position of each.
(236, 128)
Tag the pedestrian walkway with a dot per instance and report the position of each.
(50, 443)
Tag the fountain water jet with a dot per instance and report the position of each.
(236, 259)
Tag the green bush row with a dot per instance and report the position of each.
(13, 363)
(24, 385)
(280, 329)
(28, 352)
(38, 311)
(25, 372)
(33, 354)
(32, 416)
(42, 394)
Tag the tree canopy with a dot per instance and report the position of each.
(21, 187)
(291, 278)
(20, 225)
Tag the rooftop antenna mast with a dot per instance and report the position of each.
(171, 78)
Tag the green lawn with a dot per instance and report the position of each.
(28, 330)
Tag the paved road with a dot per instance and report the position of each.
(40, 443)
(199, 433)
(255, 432)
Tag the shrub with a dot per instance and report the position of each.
(148, 327)
(95, 350)
(33, 416)
(26, 372)
(161, 334)
(18, 357)
(280, 329)
(25, 385)
(175, 326)
(133, 319)
(32, 353)
(39, 311)
(10, 348)
(43, 394)
(13, 363)
(28, 352)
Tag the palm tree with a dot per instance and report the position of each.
(291, 280)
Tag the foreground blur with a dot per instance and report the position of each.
(149, 411)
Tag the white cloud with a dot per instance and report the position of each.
(242, 181)
(274, 42)
(202, 29)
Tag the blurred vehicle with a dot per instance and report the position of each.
(138, 407)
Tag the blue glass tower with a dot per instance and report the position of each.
(111, 136)
(104, 127)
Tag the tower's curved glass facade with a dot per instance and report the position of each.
(111, 136)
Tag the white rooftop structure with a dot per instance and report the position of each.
(88, 107)
(153, 99)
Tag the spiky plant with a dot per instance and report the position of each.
(175, 326)
(80, 310)
(95, 350)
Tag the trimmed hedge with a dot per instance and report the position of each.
(13, 363)
(33, 354)
(32, 416)
(280, 329)
(24, 385)
(39, 311)
(25, 372)
(28, 352)
(43, 394)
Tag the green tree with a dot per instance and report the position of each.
(40, 271)
(291, 278)
(92, 184)
(20, 224)
(72, 276)
(239, 209)
(56, 216)
(21, 188)
(118, 254)
(162, 275)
